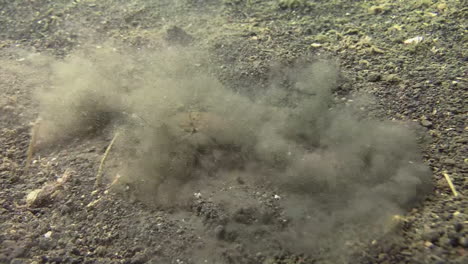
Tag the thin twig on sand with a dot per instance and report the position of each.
(32, 143)
(452, 187)
(103, 160)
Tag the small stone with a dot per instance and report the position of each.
(75, 251)
(139, 258)
(374, 77)
(18, 261)
(91, 149)
(352, 31)
(100, 251)
(64, 209)
(453, 242)
(176, 35)
(240, 180)
(442, 6)
(447, 216)
(137, 249)
(428, 244)
(382, 256)
(463, 241)
(220, 232)
(450, 162)
(17, 251)
(426, 123)
(8, 108)
(432, 236)
(8, 244)
(458, 227)
(452, 239)
(392, 78)
(55, 259)
(406, 253)
(374, 10)
(46, 244)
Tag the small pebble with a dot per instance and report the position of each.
(453, 242)
(426, 123)
(374, 77)
(463, 241)
(100, 251)
(450, 162)
(220, 232)
(428, 244)
(458, 227)
(139, 258)
(18, 261)
(432, 236)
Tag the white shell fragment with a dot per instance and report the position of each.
(414, 40)
(48, 234)
(316, 45)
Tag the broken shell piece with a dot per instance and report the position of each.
(50, 191)
(316, 45)
(40, 197)
(414, 40)
(48, 234)
(32, 197)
